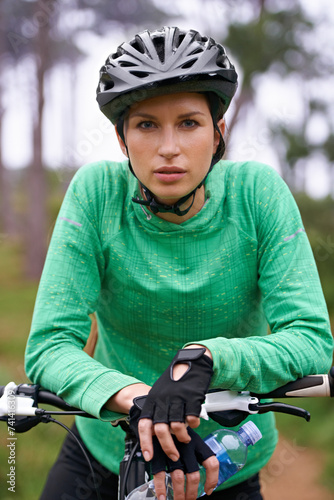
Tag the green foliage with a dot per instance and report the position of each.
(296, 146)
(271, 41)
(280, 41)
(329, 147)
(318, 217)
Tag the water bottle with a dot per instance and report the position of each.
(230, 448)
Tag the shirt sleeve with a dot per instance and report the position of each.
(68, 293)
(300, 342)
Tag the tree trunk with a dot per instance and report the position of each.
(7, 222)
(7, 218)
(36, 227)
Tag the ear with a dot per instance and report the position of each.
(221, 126)
(121, 143)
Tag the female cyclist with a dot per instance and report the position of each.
(185, 259)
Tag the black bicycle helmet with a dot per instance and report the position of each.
(162, 62)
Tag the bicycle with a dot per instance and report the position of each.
(19, 409)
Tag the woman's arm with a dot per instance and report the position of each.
(300, 342)
(68, 293)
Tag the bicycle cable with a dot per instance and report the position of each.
(122, 485)
(96, 488)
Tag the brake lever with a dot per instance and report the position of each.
(231, 408)
(281, 408)
(220, 401)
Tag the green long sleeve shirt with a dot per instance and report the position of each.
(219, 279)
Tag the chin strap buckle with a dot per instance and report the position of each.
(156, 207)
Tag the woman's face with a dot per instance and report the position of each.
(171, 141)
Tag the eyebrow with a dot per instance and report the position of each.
(147, 115)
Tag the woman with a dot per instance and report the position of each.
(173, 256)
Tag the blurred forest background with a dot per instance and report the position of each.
(50, 55)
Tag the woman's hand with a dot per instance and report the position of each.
(163, 431)
(174, 404)
(191, 454)
(122, 401)
(211, 465)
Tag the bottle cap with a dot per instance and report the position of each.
(252, 431)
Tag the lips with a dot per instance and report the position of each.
(169, 174)
(169, 170)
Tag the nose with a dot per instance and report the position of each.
(169, 143)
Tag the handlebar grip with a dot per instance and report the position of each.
(310, 386)
(50, 398)
(331, 381)
(46, 397)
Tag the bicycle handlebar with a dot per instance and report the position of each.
(226, 407)
(19, 408)
(309, 386)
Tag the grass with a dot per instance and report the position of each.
(37, 449)
(35, 453)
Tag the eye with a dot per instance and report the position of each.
(189, 123)
(146, 125)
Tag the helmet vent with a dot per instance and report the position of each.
(139, 74)
(108, 86)
(189, 64)
(222, 61)
(197, 51)
(138, 45)
(180, 40)
(159, 44)
(126, 64)
(106, 83)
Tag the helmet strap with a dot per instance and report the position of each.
(155, 206)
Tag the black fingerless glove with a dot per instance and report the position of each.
(173, 400)
(191, 454)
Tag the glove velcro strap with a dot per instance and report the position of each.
(188, 354)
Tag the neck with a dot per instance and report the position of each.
(196, 207)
